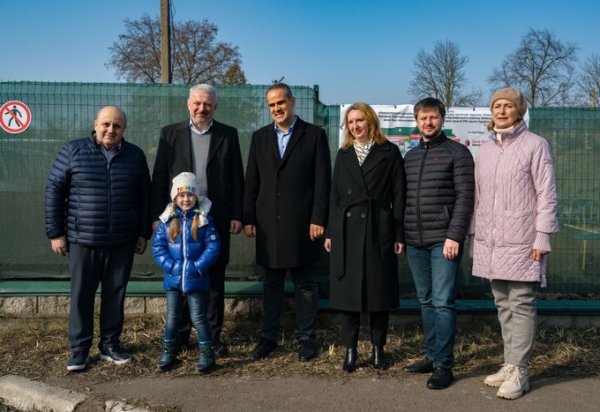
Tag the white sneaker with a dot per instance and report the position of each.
(499, 377)
(515, 385)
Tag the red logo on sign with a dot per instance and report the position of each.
(15, 116)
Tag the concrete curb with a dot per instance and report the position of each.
(29, 395)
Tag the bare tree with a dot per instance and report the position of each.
(589, 80)
(541, 67)
(196, 55)
(440, 74)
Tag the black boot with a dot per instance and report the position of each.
(379, 361)
(350, 361)
(169, 355)
(206, 362)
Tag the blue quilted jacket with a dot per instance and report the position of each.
(97, 203)
(186, 262)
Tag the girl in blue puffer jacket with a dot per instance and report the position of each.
(186, 244)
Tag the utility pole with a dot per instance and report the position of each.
(165, 41)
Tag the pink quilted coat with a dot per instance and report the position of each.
(515, 197)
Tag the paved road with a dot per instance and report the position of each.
(408, 393)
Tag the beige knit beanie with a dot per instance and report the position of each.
(515, 96)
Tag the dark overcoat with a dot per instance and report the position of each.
(224, 173)
(366, 218)
(284, 195)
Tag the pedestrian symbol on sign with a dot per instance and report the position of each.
(15, 116)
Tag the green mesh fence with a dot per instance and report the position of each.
(574, 135)
(64, 111)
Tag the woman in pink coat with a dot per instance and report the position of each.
(515, 213)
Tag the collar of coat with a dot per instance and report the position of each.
(349, 160)
(297, 132)
(510, 137)
(438, 140)
(216, 138)
(118, 148)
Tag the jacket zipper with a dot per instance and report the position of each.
(419, 194)
(185, 254)
(109, 203)
(494, 208)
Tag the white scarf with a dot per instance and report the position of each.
(362, 151)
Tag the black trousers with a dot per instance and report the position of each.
(215, 308)
(351, 325)
(306, 294)
(90, 267)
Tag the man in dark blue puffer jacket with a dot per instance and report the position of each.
(97, 212)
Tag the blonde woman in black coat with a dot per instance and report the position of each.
(365, 231)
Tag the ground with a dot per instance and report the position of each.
(36, 347)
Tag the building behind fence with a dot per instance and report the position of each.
(64, 111)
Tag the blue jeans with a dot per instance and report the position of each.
(435, 280)
(197, 302)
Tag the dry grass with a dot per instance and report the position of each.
(36, 347)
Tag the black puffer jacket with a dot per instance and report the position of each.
(439, 192)
(96, 203)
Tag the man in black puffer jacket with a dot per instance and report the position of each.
(439, 203)
(98, 212)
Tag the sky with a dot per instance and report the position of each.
(353, 50)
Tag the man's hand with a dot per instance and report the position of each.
(235, 227)
(451, 249)
(327, 245)
(398, 248)
(155, 225)
(250, 230)
(59, 245)
(316, 231)
(140, 245)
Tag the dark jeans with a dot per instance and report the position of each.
(196, 302)
(435, 281)
(90, 267)
(351, 326)
(305, 287)
(215, 311)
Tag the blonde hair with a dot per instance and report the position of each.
(174, 226)
(375, 133)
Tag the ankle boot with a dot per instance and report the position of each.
(206, 362)
(168, 356)
(350, 361)
(379, 361)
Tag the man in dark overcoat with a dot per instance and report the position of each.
(210, 150)
(288, 177)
